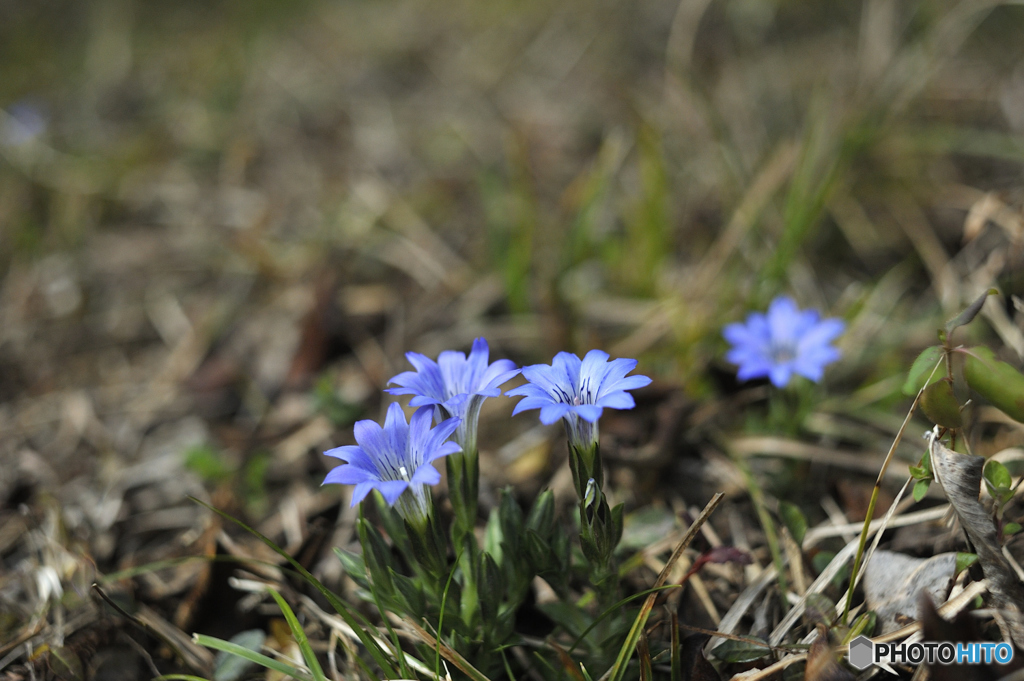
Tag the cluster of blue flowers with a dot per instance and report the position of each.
(397, 459)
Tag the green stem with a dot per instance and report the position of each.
(874, 496)
(463, 490)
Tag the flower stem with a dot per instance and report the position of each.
(463, 490)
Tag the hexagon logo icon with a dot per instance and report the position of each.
(862, 652)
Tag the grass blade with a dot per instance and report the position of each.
(618, 670)
(615, 608)
(251, 655)
(644, 652)
(446, 651)
(300, 637)
(874, 496)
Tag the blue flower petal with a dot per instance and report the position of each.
(532, 403)
(567, 369)
(552, 412)
(421, 400)
(544, 377)
(357, 457)
(360, 492)
(587, 412)
(616, 400)
(629, 383)
(754, 369)
(419, 424)
(444, 450)
(780, 374)
(594, 366)
(616, 371)
(348, 474)
(392, 489)
(426, 475)
(822, 334)
(370, 436)
(343, 452)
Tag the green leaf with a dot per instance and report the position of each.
(376, 555)
(1011, 529)
(939, 404)
(542, 515)
(918, 473)
(864, 624)
(411, 593)
(921, 488)
(794, 520)
(300, 637)
(493, 536)
(353, 565)
(996, 381)
(65, 664)
(964, 561)
(821, 560)
(968, 315)
(922, 368)
(251, 655)
(511, 518)
(997, 476)
(574, 620)
(740, 651)
(229, 667)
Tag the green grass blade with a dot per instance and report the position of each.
(618, 669)
(399, 653)
(251, 655)
(358, 625)
(178, 677)
(300, 637)
(615, 608)
(440, 617)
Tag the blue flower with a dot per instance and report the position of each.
(783, 342)
(578, 391)
(455, 385)
(395, 459)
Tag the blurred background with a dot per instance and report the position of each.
(223, 223)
